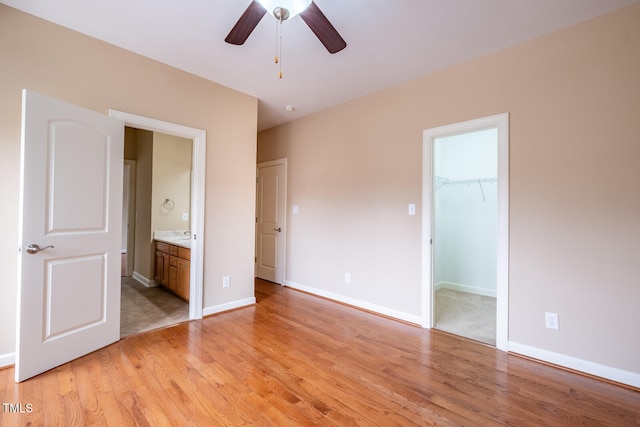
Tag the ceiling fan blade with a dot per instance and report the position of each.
(322, 28)
(245, 25)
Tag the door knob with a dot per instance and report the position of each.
(279, 229)
(34, 249)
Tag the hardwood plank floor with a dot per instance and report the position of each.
(294, 359)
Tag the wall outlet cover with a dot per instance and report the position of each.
(551, 320)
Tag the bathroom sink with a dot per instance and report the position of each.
(176, 237)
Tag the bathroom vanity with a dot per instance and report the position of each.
(173, 264)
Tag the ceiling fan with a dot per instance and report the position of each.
(283, 10)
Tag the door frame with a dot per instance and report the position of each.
(198, 164)
(282, 261)
(130, 192)
(501, 123)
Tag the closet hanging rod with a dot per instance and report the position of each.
(469, 181)
(440, 181)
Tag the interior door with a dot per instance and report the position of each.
(70, 232)
(270, 220)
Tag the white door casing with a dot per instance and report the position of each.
(271, 220)
(198, 166)
(71, 200)
(501, 123)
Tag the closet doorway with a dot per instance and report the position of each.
(465, 221)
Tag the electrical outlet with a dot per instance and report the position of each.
(347, 277)
(226, 281)
(551, 320)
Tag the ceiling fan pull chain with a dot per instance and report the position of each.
(280, 51)
(276, 59)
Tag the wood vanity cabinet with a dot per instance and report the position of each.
(173, 268)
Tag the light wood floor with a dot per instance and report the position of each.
(294, 359)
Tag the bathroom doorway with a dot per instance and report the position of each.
(465, 229)
(159, 165)
(179, 209)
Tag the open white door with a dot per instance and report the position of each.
(70, 231)
(270, 220)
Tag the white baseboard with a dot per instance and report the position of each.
(207, 311)
(385, 311)
(602, 371)
(141, 279)
(7, 359)
(466, 288)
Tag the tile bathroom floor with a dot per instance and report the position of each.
(143, 308)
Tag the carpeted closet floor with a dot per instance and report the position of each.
(143, 308)
(468, 315)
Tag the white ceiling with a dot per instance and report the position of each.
(388, 42)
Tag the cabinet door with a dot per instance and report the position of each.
(184, 276)
(173, 278)
(166, 267)
(159, 268)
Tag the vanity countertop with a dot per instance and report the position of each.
(174, 237)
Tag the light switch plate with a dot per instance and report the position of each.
(412, 209)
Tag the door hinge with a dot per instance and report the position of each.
(255, 259)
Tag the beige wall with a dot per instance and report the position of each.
(574, 103)
(171, 180)
(49, 59)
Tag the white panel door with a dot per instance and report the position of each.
(70, 233)
(270, 220)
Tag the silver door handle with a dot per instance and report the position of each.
(34, 249)
(279, 229)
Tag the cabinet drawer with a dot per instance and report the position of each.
(162, 247)
(184, 253)
(173, 261)
(173, 250)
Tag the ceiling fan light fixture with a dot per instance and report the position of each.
(276, 7)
